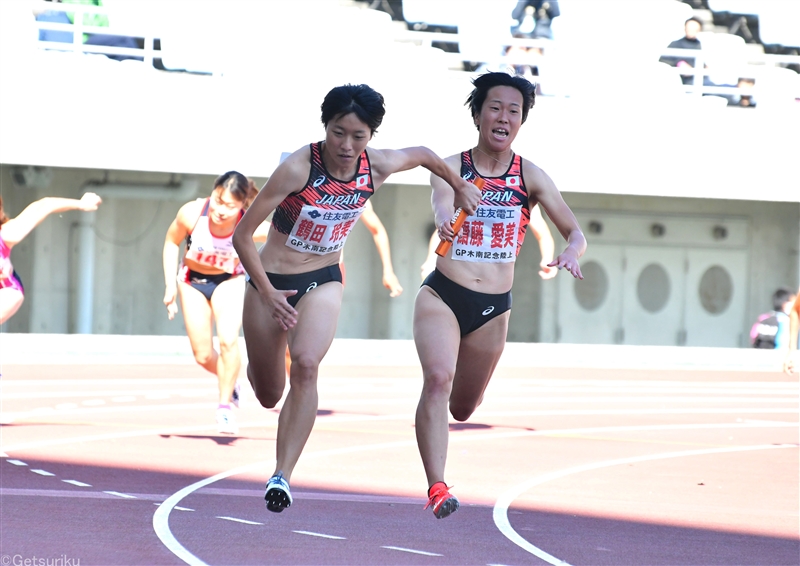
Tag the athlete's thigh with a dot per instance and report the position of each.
(10, 301)
(227, 303)
(317, 316)
(265, 340)
(436, 333)
(477, 358)
(197, 316)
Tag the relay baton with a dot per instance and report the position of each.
(444, 245)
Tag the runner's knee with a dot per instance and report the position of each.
(438, 382)
(461, 412)
(304, 369)
(268, 396)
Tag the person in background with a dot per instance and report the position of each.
(381, 239)
(791, 364)
(14, 230)
(691, 28)
(210, 282)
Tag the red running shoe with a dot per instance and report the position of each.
(441, 500)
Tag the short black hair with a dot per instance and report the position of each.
(780, 297)
(487, 81)
(693, 19)
(363, 101)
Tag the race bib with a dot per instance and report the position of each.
(490, 236)
(322, 230)
(224, 260)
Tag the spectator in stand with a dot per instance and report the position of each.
(745, 100)
(691, 28)
(95, 20)
(541, 12)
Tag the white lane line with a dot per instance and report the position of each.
(93, 402)
(42, 472)
(309, 533)
(500, 512)
(245, 521)
(49, 412)
(412, 551)
(129, 434)
(43, 393)
(161, 516)
(78, 483)
(66, 406)
(177, 508)
(124, 399)
(17, 462)
(123, 495)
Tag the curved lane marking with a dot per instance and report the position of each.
(161, 516)
(500, 512)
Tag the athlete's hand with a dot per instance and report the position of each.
(391, 282)
(169, 301)
(467, 196)
(90, 202)
(445, 231)
(546, 272)
(568, 260)
(282, 311)
(789, 365)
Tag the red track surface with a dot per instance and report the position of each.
(595, 466)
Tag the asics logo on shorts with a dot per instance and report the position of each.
(312, 286)
(490, 310)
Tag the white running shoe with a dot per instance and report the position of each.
(278, 496)
(236, 395)
(226, 422)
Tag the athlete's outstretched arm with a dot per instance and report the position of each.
(789, 364)
(542, 189)
(176, 233)
(15, 230)
(381, 238)
(289, 177)
(547, 246)
(442, 199)
(388, 161)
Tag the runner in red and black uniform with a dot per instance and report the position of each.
(462, 309)
(318, 194)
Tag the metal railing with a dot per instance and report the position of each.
(78, 29)
(460, 57)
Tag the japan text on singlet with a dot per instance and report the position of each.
(207, 249)
(319, 218)
(494, 234)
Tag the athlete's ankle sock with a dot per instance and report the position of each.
(221, 406)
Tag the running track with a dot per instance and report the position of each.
(121, 464)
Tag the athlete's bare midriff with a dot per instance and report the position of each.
(492, 278)
(277, 257)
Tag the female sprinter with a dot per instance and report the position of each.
(14, 230)
(210, 281)
(318, 194)
(462, 309)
